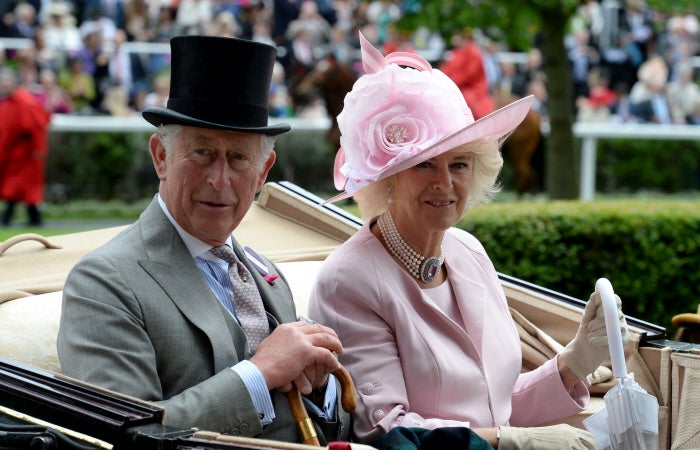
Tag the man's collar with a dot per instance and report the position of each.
(195, 246)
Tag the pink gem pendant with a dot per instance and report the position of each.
(430, 269)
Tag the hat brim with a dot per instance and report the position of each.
(163, 116)
(496, 125)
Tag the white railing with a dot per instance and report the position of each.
(62, 123)
(590, 133)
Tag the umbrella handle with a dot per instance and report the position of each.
(612, 325)
(306, 428)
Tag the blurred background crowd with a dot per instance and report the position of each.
(110, 57)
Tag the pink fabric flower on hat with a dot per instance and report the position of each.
(392, 115)
(402, 112)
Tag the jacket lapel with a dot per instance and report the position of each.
(470, 296)
(170, 264)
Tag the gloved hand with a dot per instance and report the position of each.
(589, 348)
(555, 437)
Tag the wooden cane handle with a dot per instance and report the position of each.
(301, 417)
(348, 393)
(304, 423)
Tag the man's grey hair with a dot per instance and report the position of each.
(168, 135)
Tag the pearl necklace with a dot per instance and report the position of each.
(425, 269)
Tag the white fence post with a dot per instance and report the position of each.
(588, 159)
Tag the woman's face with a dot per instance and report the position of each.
(432, 195)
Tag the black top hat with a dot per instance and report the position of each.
(219, 82)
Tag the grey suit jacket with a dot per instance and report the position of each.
(139, 318)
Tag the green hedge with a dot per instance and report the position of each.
(99, 166)
(634, 165)
(118, 166)
(305, 159)
(648, 249)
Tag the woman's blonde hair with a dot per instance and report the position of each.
(374, 199)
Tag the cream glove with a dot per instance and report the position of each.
(555, 437)
(589, 348)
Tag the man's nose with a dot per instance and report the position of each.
(219, 173)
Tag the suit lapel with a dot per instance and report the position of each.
(171, 265)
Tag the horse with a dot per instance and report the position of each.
(523, 149)
(330, 80)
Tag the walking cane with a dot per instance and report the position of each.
(306, 427)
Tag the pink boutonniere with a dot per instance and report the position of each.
(271, 278)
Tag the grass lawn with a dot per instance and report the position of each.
(6, 233)
(76, 216)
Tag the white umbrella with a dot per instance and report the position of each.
(630, 419)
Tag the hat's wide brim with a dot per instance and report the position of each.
(496, 125)
(163, 116)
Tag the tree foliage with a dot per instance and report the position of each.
(675, 6)
(517, 22)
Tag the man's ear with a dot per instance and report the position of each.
(266, 169)
(158, 154)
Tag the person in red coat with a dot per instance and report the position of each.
(23, 147)
(465, 66)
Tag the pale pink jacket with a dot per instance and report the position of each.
(414, 366)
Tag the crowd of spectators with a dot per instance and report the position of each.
(629, 63)
(637, 67)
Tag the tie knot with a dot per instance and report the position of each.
(224, 252)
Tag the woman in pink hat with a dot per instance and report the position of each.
(427, 334)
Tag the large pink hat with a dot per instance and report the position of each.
(396, 117)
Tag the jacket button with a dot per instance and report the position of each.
(369, 388)
(243, 428)
(378, 414)
(234, 432)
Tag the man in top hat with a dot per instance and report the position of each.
(172, 310)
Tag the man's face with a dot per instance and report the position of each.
(210, 179)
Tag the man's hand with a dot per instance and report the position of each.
(299, 353)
